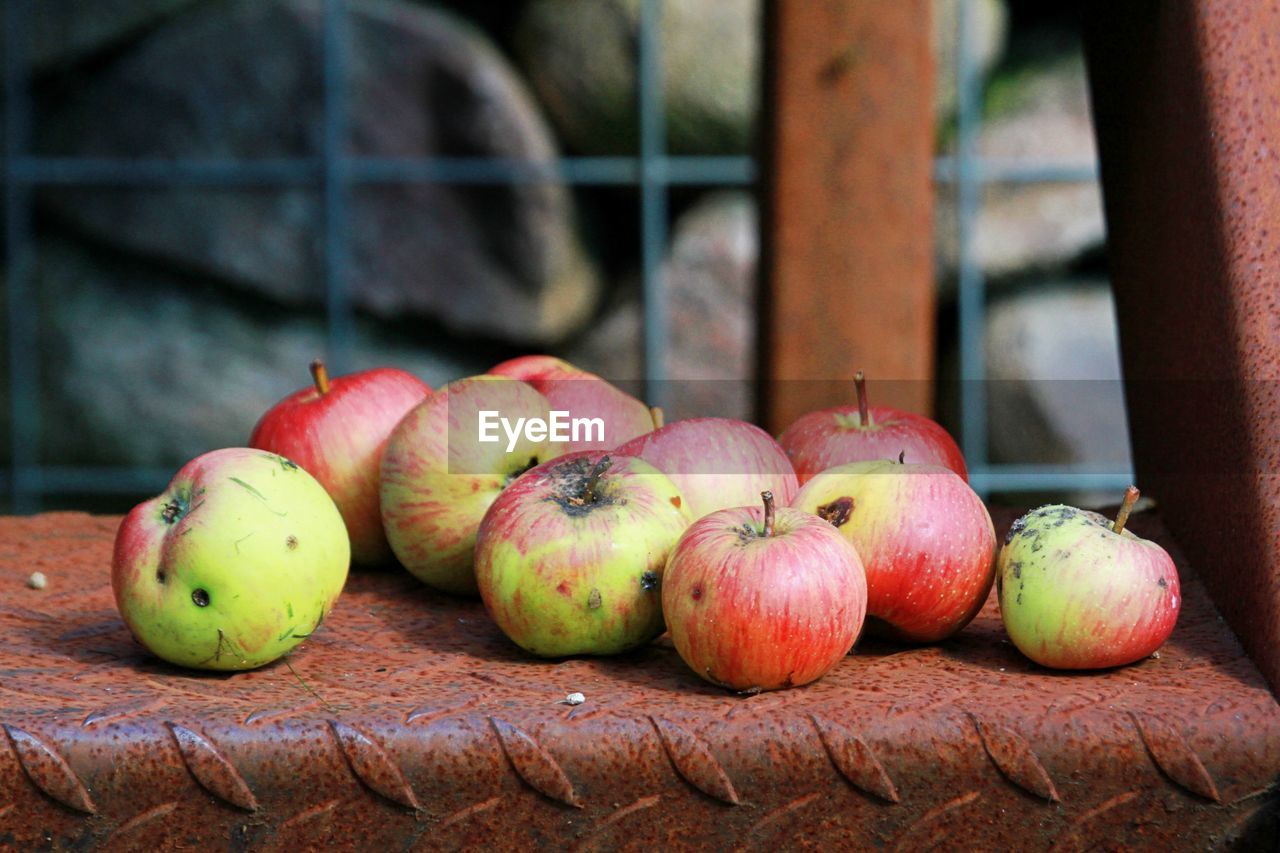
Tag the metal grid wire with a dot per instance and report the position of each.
(27, 480)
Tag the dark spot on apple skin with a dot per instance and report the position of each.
(1162, 583)
(837, 512)
(563, 588)
(291, 543)
(532, 463)
(160, 575)
(200, 597)
(567, 483)
(1019, 598)
(697, 593)
(675, 501)
(649, 581)
(1016, 565)
(1015, 529)
(594, 600)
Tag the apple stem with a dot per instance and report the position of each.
(1130, 497)
(589, 488)
(659, 417)
(860, 386)
(320, 375)
(767, 497)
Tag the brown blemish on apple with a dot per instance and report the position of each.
(200, 597)
(563, 588)
(837, 512)
(594, 600)
(697, 593)
(291, 543)
(1162, 583)
(649, 581)
(160, 575)
(675, 501)
(1016, 565)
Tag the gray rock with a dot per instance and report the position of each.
(243, 80)
(581, 57)
(1053, 364)
(1043, 118)
(710, 272)
(991, 32)
(65, 31)
(150, 369)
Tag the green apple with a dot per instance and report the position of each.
(569, 558)
(1078, 591)
(238, 561)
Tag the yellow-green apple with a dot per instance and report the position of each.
(234, 564)
(717, 463)
(925, 538)
(446, 461)
(1080, 592)
(585, 397)
(337, 430)
(830, 437)
(569, 559)
(758, 598)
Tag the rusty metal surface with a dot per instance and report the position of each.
(409, 722)
(848, 229)
(1186, 102)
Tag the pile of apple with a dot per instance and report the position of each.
(762, 558)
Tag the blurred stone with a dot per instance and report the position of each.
(144, 368)
(1042, 117)
(1054, 379)
(244, 80)
(710, 273)
(990, 35)
(65, 31)
(581, 58)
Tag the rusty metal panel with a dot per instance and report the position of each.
(409, 722)
(848, 269)
(1186, 101)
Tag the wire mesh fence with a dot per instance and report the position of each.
(28, 480)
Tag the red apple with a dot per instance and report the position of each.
(336, 430)
(584, 395)
(569, 558)
(758, 599)
(924, 536)
(717, 463)
(1078, 592)
(440, 472)
(830, 437)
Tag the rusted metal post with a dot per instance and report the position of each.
(849, 220)
(1187, 104)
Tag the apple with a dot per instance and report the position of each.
(569, 558)
(759, 599)
(585, 395)
(717, 463)
(438, 478)
(830, 437)
(1079, 592)
(336, 430)
(238, 561)
(925, 539)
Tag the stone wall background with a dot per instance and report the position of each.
(170, 318)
